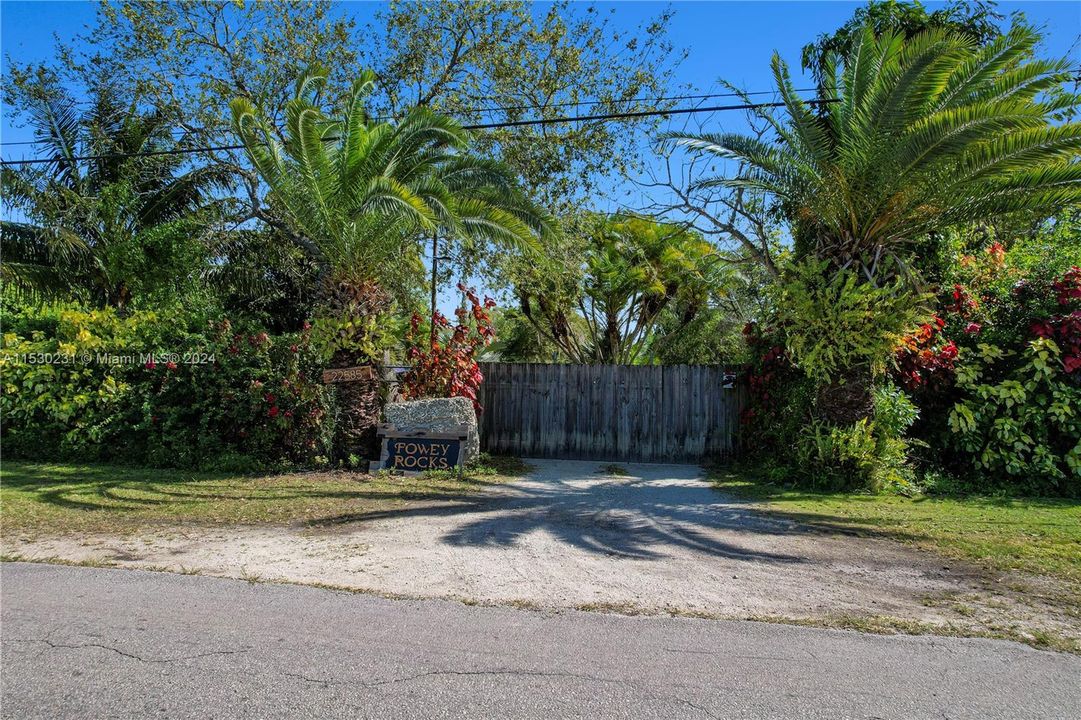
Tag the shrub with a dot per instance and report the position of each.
(836, 458)
(871, 454)
(781, 397)
(974, 372)
(164, 391)
(894, 411)
(1018, 423)
(925, 358)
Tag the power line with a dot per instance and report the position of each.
(478, 126)
(642, 113)
(508, 108)
(590, 103)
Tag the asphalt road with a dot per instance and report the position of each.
(97, 643)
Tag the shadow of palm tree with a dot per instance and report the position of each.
(635, 520)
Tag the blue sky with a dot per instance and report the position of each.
(733, 40)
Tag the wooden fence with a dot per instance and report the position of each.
(653, 413)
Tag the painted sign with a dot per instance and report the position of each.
(350, 374)
(417, 451)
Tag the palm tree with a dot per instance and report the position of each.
(605, 306)
(359, 194)
(101, 228)
(924, 133)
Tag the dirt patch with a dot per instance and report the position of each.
(657, 540)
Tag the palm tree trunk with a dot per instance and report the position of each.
(361, 403)
(848, 399)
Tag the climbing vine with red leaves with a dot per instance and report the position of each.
(768, 374)
(444, 364)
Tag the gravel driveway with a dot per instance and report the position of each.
(659, 539)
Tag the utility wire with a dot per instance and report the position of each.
(613, 101)
(508, 108)
(479, 126)
(642, 113)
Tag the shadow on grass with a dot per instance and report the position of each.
(115, 489)
(629, 517)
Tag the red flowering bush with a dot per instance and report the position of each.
(1064, 331)
(444, 361)
(780, 395)
(1068, 287)
(962, 303)
(991, 393)
(768, 373)
(254, 396)
(991, 302)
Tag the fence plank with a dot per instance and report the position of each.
(647, 413)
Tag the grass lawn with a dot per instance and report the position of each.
(59, 499)
(1039, 535)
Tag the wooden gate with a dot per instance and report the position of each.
(652, 413)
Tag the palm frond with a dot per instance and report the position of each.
(926, 132)
(362, 190)
(57, 130)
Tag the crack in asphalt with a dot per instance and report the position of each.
(318, 681)
(463, 673)
(697, 707)
(524, 673)
(133, 656)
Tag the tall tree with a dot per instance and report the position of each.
(927, 133)
(191, 58)
(486, 62)
(976, 19)
(359, 195)
(479, 61)
(91, 222)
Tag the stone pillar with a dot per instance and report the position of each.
(438, 415)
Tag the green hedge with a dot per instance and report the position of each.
(159, 389)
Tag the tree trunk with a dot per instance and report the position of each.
(846, 400)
